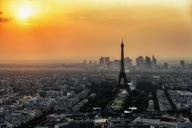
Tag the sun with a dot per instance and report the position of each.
(25, 12)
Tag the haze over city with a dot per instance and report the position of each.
(95, 63)
(65, 29)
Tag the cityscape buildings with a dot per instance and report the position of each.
(92, 95)
(62, 64)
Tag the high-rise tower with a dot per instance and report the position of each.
(122, 74)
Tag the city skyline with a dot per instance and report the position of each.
(95, 64)
(57, 30)
(91, 96)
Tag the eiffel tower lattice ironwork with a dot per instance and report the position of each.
(122, 74)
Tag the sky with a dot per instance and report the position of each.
(64, 29)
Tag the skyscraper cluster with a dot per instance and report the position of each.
(104, 60)
(146, 62)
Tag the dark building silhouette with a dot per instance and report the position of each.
(165, 65)
(154, 62)
(122, 74)
(147, 62)
(182, 63)
(84, 62)
(90, 62)
(140, 62)
(104, 60)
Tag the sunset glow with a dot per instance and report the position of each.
(24, 12)
(60, 28)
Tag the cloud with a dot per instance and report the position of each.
(3, 19)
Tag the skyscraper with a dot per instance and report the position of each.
(147, 62)
(154, 62)
(104, 60)
(182, 63)
(140, 62)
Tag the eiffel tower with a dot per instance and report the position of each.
(122, 74)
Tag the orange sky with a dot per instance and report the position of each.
(62, 29)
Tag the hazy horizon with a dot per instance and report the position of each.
(76, 60)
